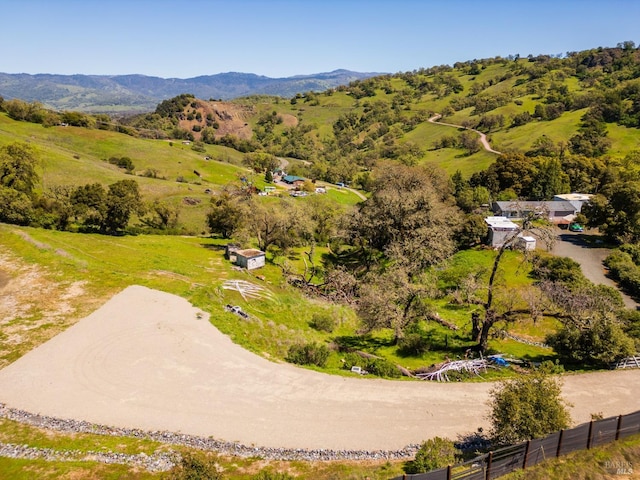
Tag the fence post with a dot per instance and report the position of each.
(449, 472)
(489, 460)
(526, 454)
(590, 434)
(618, 427)
(559, 442)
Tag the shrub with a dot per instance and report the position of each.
(323, 322)
(527, 407)
(434, 453)
(353, 360)
(195, 467)
(308, 354)
(382, 368)
(122, 162)
(602, 344)
(414, 344)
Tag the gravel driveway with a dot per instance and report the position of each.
(590, 257)
(150, 360)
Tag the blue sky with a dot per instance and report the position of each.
(278, 38)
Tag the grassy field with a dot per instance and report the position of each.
(195, 268)
(606, 462)
(76, 156)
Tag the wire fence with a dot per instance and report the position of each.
(527, 454)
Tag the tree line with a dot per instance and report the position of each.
(86, 208)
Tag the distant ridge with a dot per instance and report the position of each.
(140, 93)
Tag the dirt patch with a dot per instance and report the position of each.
(4, 279)
(230, 118)
(289, 120)
(33, 306)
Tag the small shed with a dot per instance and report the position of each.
(230, 252)
(526, 243)
(250, 258)
(501, 230)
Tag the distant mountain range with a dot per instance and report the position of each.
(140, 93)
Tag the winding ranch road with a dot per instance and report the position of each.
(150, 360)
(483, 137)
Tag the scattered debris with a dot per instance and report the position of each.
(440, 372)
(629, 362)
(248, 290)
(237, 310)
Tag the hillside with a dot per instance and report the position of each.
(541, 106)
(140, 93)
(395, 281)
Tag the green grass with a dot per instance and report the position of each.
(598, 463)
(23, 434)
(22, 469)
(195, 269)
(76, 156)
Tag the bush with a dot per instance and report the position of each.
(195, 467)
(414, 344)
(433, 454)
(122, 162)
(308, 354)
(557, 269)
(382, 368)
(374, 366)
(323, 322)
(527, 407)
(602, 344)
(352, 359)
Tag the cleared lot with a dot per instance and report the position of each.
(146, 360)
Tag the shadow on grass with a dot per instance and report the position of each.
(366, 343)
(211, 246)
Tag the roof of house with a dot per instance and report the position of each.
(250, 253)
(529, 205)
(292, 178)
(500, 222)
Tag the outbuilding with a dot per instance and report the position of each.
(250, 258)
(526, 243)
(501, 230)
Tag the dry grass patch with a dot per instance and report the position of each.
(34, 307)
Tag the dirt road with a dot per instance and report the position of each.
(483, 138)
(150, 360)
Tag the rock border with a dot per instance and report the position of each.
(201, 443)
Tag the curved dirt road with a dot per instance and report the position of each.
(483, 137)
(145, 360)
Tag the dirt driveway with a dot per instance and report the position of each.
(150, 360)
(590, 257)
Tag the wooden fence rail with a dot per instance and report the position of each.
(527, 454)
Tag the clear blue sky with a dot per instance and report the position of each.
(278, 38)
